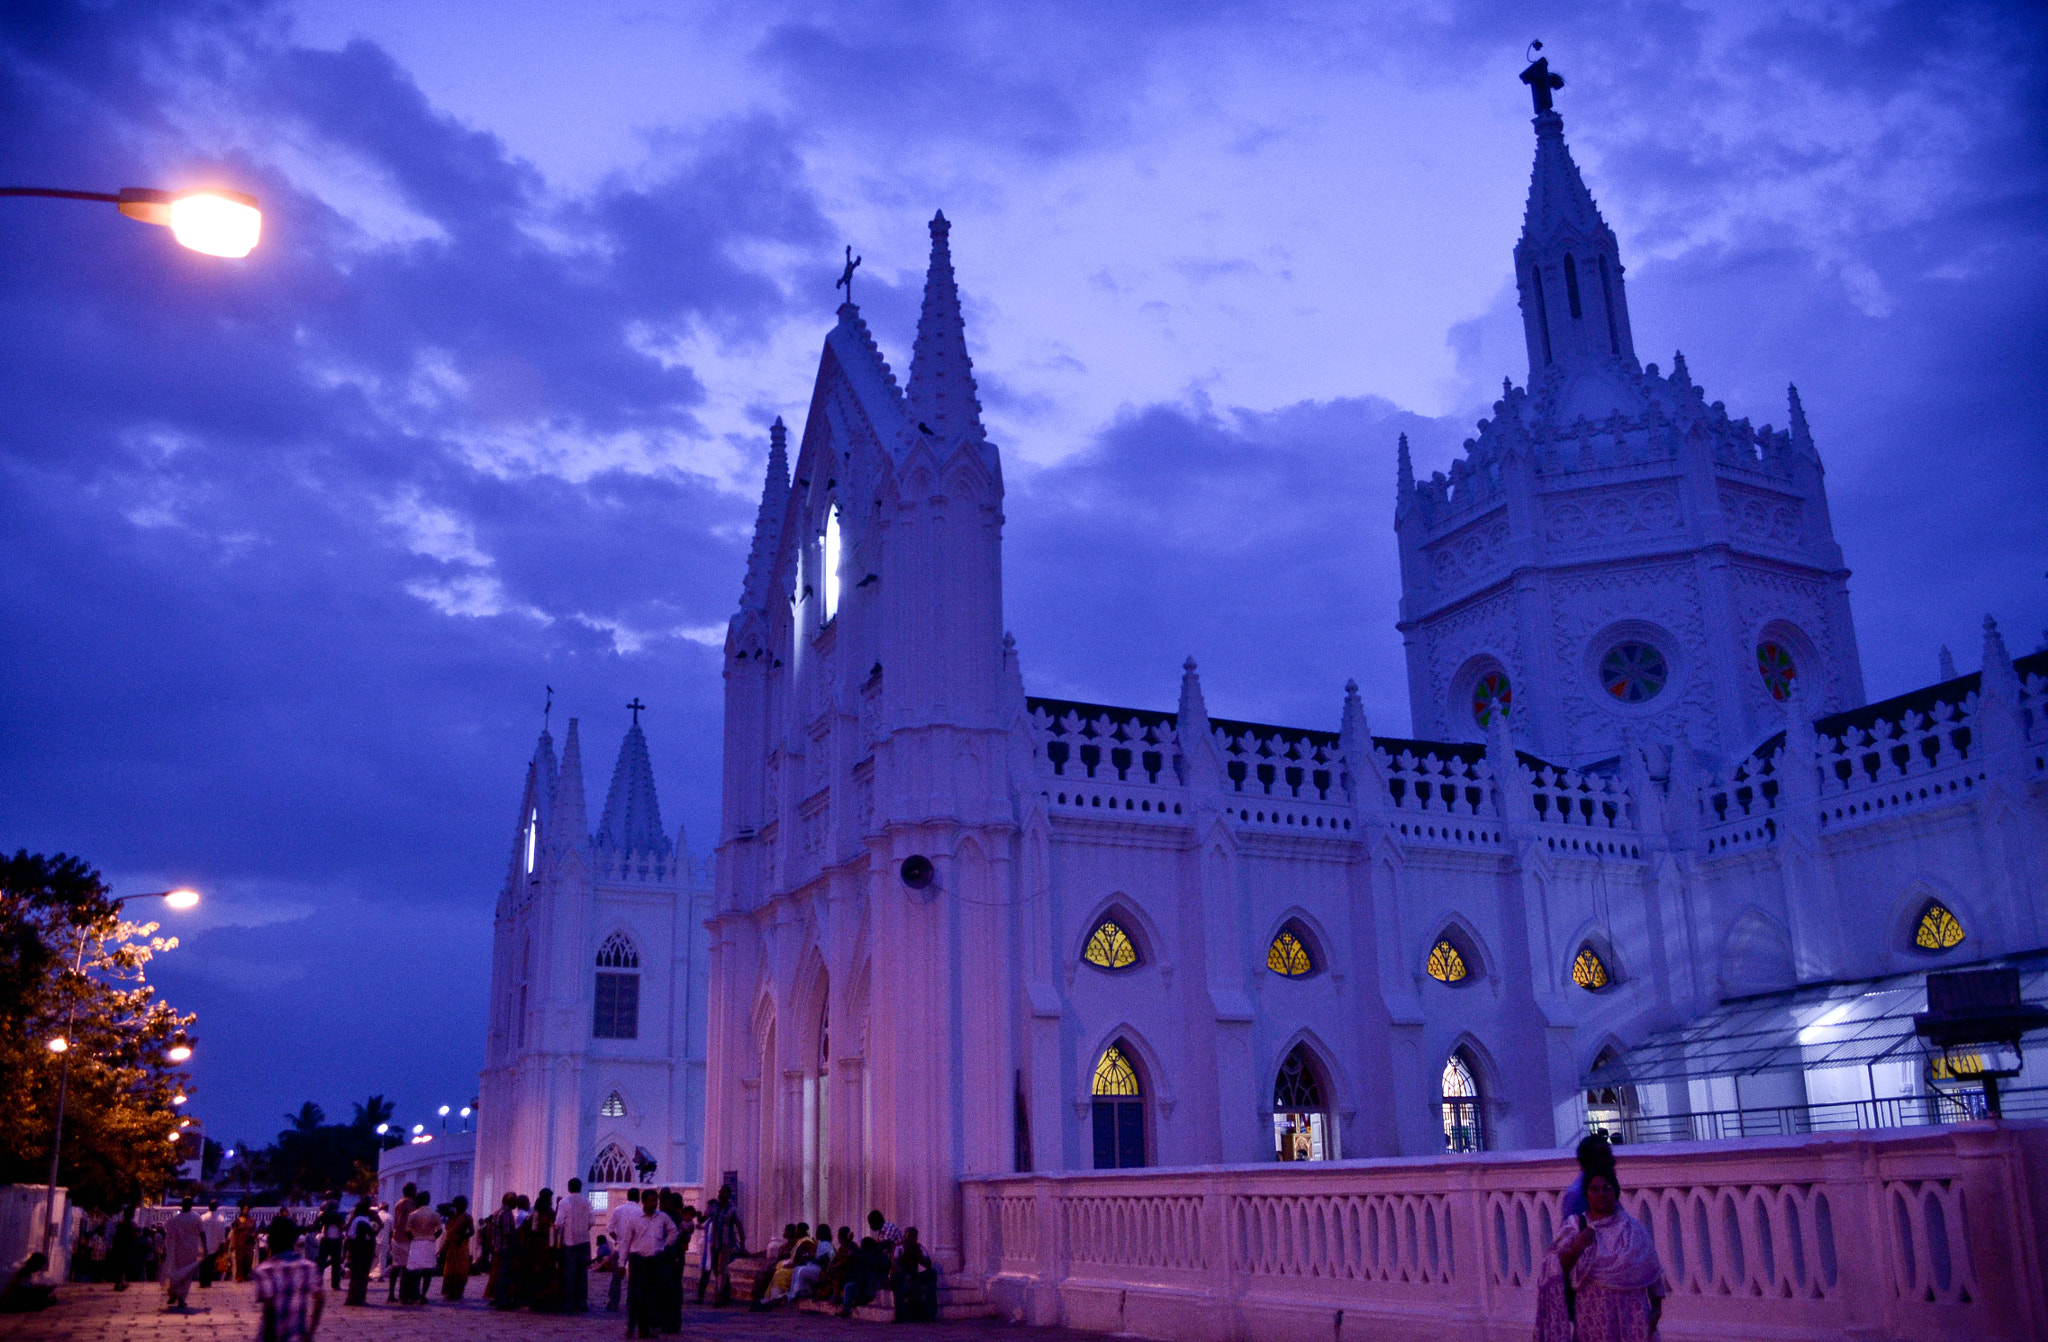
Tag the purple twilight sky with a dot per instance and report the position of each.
(292, 544)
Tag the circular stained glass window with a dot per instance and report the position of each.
(1634, 672)
(1491, 694)
(1777, 668)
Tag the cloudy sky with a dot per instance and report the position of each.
(292, 544)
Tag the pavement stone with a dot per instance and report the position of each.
(227, 1313)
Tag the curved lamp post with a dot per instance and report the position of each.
(61, 1045)
(210, 220)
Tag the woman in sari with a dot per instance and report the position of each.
(1602, 1280)
(455, 1250)
(540, 1277)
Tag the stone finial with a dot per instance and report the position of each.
(768, 520)
(1406, 468)
(1802, 436)
(569, 822)
(1948, 663)
(1999, 676)
(1511, 785)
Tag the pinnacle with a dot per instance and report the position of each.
(569, 821)
(1559, 203)
(941, 391)
(632, 813)
(768, 521)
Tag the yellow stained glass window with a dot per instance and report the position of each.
(1446, 965)
(1287, 955)
(1114, 1074)
(1938, 928)
(1589, 971)
(1110, 947)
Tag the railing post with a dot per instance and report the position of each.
(1048, 1306)
(1226, 1321)
(1853, 1179)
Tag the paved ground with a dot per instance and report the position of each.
(228, 1313)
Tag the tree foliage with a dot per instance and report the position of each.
(71, 966)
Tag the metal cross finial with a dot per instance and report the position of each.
(1541, 82)
(637, 708)
(845, 281)
(548, 709)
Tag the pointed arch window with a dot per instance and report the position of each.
(614, 1106)
(1289, 955)
(1119, 1110)
(1462, 1105)
(1301, 1109)
(1609, 1109)
(1571, 285)
(831, 548)
(1447, 962)
(616, 1010)
(612, 1166)
(1589, 971)
(1110, 947)
(1938, 929)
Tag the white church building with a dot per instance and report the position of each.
(958, 930)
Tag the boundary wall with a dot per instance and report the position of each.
(1916, 1235)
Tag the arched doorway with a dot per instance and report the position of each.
(817, 1135)
(1301, 1109)
(1463, 1105)
(1119, 1110)
(1609, 1108)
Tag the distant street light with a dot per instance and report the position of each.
(383, 1128)
(181, 898)
(179, 1052)
(210, 220)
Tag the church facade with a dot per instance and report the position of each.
(594, 1062)
(957, 929)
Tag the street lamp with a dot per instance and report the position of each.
(181, 898)
(210, 220)
(465, 1117)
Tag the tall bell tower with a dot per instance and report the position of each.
(1612, 555)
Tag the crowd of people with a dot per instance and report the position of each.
(537, 1254)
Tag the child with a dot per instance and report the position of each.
(608, 1262)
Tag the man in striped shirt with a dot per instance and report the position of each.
(289, 1287)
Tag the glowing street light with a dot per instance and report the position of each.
(212, 220)
(58, 1045)
(383, 1128)
(180, 899)
(179, 1098)
(179, 1052)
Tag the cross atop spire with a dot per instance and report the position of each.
(1542, 83)
(638, 708)
(941, 393)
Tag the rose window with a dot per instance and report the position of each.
(1634, 672)
(1491, 694)
(1777, 668)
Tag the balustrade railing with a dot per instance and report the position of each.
(1917, 1235)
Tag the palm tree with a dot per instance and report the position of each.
(371, 1112)
(309, 1117)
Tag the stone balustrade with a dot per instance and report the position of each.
(1923, 1235)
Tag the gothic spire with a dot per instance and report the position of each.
(768, 521)
(942, 400)
(569, 820)
(1201, 765)
(536, 806)
(1802, 436)
(1407, 470)
(632, 814)
(1567, 263)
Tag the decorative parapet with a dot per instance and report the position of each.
(1437, 791)
(1926, 1235)
(613, 866)
(1910, 752)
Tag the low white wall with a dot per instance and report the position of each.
(1932, 1234)
(21, 1227)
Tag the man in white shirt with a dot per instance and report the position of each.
(642, 1233)
(572, 1232)
(213, 1227)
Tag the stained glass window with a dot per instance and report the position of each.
(1938, 928)
(1119, 1111)
(614, 1106)
(618, 953)
(1110, 947)
(1289, 956)
(1777, 668)
(1634, 672)
(1589, 971)
(1462, 1118)
(1114, 1074)
(1446, 965)
(1491, 694)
